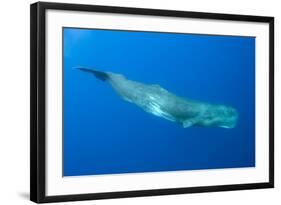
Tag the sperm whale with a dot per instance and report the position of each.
(158, 101)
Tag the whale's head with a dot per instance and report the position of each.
(219, 116)
(227, 117)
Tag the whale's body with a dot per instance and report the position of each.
(158, 101)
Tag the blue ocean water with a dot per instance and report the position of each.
(103, 134)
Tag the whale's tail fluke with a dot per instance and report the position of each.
(98, 74)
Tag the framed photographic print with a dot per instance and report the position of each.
(129, 102)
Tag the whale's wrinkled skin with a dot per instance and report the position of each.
(162, 103)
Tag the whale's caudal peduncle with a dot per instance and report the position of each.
(162, 103)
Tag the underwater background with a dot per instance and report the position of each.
(103, 134)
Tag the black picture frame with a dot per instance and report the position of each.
(38, 101)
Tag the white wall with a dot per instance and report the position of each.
(14, 100)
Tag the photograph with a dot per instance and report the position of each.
(138, 101)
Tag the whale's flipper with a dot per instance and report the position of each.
(187, 123)
(99, 74)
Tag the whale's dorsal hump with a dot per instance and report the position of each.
(155, 86)
(158, 87)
